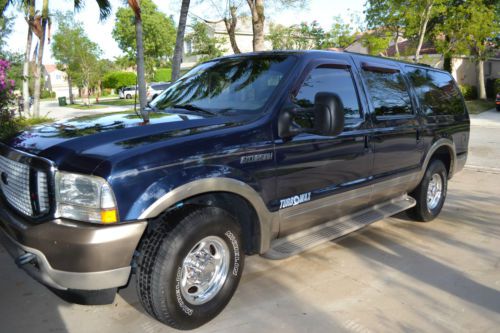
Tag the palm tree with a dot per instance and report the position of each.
(179, 41)
(30, 16)
(40, 29)
(136, 8)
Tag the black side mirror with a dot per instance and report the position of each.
(328, 114)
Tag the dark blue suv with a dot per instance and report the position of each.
(267, 153)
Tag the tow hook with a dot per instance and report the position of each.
(25, 259)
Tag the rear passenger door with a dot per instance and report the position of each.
(396, 135)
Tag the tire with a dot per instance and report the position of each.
(427, 210)
(498, 108)
(128, 96)
(164, 258)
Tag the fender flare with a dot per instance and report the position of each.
(442, 142)
(267, 220)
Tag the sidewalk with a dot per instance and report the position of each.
(490, 118)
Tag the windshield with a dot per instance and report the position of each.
(233, 84)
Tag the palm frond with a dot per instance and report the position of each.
(104, 7)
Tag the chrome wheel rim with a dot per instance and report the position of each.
(204, 270)
(434, 191)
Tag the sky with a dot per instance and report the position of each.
(322, 11)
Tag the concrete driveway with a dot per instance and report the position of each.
(393, 276)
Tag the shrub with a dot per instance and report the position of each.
(163, 75)
(117, 80)
(10, 126)
(47, 94)
(469, 92)
(6, 87)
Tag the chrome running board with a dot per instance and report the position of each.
(293, 244)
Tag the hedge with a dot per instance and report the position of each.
(47, 94)
(117, 80)
(163, 75)
(469, 92)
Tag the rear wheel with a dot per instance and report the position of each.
(188, 274)
(128, 96)
(430, 193)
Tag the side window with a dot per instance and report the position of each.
(334, 80)
(388, 92)
(437, 92)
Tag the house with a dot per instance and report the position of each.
(243, 36)
(57, 81)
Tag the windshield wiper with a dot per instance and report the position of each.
(192, 107)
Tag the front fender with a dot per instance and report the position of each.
(163, 195)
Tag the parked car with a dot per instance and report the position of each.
(267, 153)
(156, 89)
(127, 92)
(497, 102)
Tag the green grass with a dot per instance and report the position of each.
(118, 102)
(86, 107)
(9, 127)
(479, 105)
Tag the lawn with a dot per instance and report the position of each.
(479, 105)
(86, 107)
(118, 102)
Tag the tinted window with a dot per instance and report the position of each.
(229, 85)
(388, 92)
(334, 80)
(436, 91)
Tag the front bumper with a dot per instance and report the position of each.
(65, 254)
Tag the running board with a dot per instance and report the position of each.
(285, 247)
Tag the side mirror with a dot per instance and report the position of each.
(328, 114)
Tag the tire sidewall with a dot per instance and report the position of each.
(437, 167)
(167, 272)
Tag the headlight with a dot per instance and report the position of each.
(85, 198)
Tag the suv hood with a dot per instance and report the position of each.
(93, 139)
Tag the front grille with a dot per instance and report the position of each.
(29, 197)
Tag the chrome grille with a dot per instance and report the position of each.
(15, 185)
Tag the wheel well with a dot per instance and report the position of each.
(235, 205)
(443, 153)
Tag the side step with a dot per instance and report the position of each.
(285, 247)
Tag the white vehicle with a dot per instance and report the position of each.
(157, 88)
(127, 92)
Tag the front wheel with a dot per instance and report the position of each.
(188, 274)
(430, 193)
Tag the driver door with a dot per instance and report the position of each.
(320, 178)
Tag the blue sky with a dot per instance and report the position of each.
(322, 11)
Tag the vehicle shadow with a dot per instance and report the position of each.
(25, 305)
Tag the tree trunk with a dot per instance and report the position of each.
(480, 79)
(39, 63)
(258, 18)
(423, 28)
(70, 90)
(231, 29)
(396, 41)
(141, 80)
(179, 41)
(26, 65)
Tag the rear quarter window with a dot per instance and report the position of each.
(437, 92)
